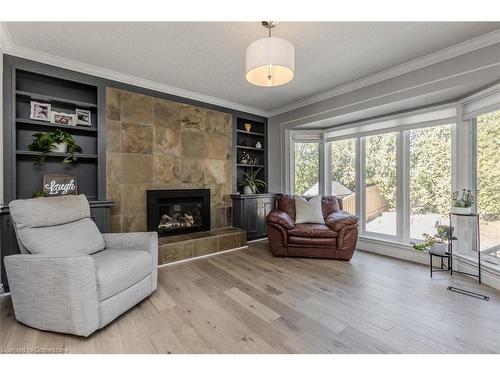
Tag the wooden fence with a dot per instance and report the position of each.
(375, 203)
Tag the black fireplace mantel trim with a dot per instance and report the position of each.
(154, 195)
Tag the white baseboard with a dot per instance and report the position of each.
(392, 249)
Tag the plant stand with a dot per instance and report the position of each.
(478, 249)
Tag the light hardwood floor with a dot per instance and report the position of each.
(247, 301)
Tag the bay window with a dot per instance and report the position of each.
(381, 184)
(429, 179)
(343, 172)
(306, 168)
(488, 181)
(396, 175)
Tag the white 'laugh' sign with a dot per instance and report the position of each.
(59, 184)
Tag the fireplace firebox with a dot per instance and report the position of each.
(172, 212)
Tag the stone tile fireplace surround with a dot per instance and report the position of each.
(154, 143)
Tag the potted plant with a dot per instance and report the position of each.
(462, 202)
(436, 242)
(428, 242)
(252, 183)
(58, 142)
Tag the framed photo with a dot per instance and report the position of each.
(83, 117)
(61, 118)
(40, 111)
(59, 184)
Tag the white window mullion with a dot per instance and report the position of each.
(322, 169)
(360, 179)
(403, 193)
(328, 168)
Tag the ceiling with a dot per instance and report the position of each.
(209, 57)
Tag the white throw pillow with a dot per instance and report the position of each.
(308, 211)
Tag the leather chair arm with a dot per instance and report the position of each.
(340, 219)
(281, 218)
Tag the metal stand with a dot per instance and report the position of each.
(478, 249)
(478, 245)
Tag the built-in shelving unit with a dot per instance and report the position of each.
(64, 96)
(250, 132)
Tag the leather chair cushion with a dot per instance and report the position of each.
(312, 231)
(286, 203)
(307, 241)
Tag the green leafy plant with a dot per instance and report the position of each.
(39, 193)
(463, 198)
(252, 181)
(426, 244)
(45, 143)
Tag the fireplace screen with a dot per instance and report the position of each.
(173, 212)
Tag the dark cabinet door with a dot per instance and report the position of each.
(265, 206)
(251, 213)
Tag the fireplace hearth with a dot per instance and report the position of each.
(172, 212)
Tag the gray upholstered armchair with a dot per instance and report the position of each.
(69, 277)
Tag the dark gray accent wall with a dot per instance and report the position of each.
(10, 63)
(444, 81)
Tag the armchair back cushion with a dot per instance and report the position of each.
(56, 226)
(286, 203)
(308, 211)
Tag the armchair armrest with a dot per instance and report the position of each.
(340, 219)
(145, 241)
(281, 218)
(54, 293)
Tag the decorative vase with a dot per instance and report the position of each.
(461, 210)
(248, 127)
(247, 190)
(258, 145)
(59, 147)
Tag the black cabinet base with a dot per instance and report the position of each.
(250, 211)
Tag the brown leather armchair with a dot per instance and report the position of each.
(336, 239)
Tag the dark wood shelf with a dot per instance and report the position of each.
(250, 148)
(57, 126)
(250, 165)
(250, 133)
(54, 154)
(54, 99)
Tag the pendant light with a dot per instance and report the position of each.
(270, 61)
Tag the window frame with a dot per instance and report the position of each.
(401, 125)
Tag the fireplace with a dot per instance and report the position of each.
(172, 212)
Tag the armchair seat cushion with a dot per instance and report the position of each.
(312, 242)
(118, 270)
(312, 230)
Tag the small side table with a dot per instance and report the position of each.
(443, 253)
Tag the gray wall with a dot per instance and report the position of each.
(440, 82)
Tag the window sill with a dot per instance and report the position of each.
(490, 272)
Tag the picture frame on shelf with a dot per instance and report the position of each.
(83, 117)
(61, 118)
(40, 111)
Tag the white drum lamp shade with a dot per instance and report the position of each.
(270, 62)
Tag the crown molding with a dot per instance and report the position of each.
(433, 58)
(5, 39)
(9, 47)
